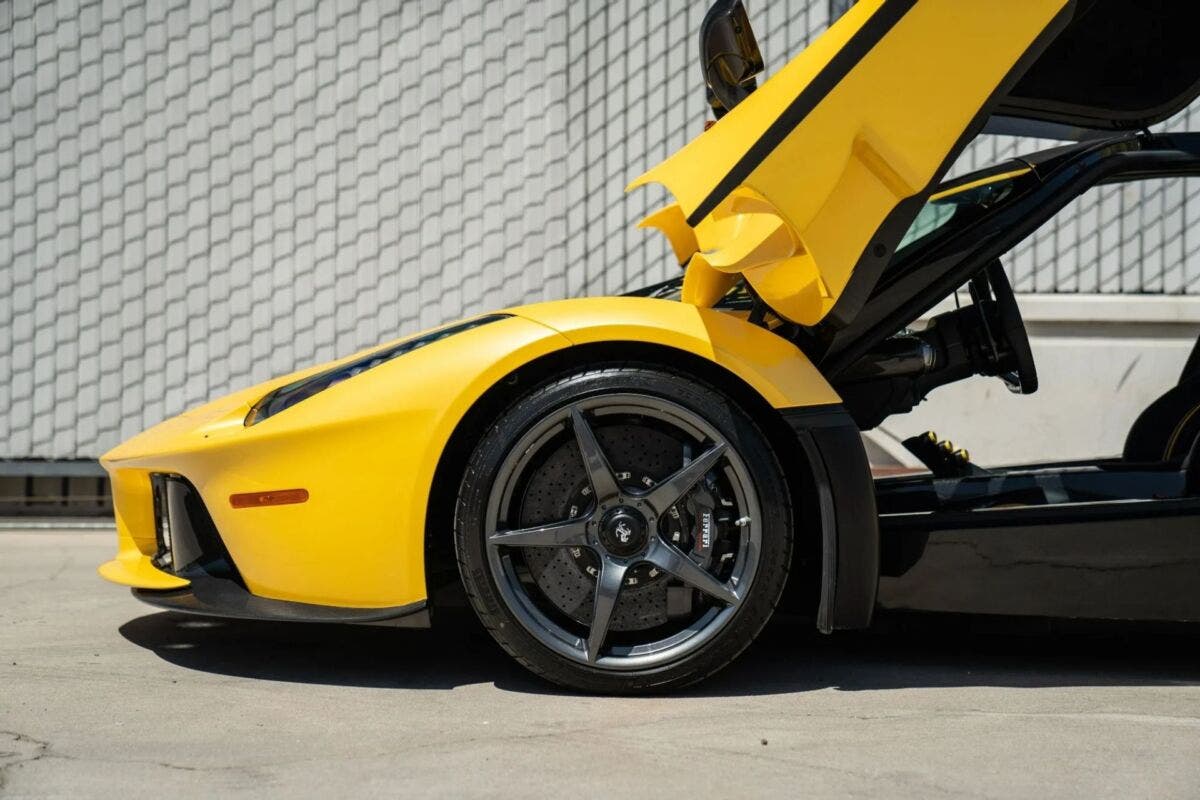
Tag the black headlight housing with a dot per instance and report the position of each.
(289, 395)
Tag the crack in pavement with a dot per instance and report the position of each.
(17, 749)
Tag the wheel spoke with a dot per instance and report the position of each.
(666, 557)
(666, 493)
(571, 533)
(600, 474)
(608, 588)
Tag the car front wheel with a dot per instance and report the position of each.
(623, 529)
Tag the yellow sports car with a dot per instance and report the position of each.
(622, 487)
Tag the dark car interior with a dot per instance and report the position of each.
(1120, 528)
(987, 337)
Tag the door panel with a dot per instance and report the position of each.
(1119, 65)
(1136, 560)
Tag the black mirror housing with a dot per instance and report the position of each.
(729, 55)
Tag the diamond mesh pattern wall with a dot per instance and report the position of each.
(195, 196)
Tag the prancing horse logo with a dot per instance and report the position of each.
(624, 532)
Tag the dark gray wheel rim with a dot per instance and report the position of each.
(617, 507)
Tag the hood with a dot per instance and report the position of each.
(807, 185)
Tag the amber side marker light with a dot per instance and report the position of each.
(279, 497)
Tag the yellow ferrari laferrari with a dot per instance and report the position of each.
(623, 487)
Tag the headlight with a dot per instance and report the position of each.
(287, 396)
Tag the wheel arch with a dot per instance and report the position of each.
(802, 476)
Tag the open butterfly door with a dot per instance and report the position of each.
(808, 183)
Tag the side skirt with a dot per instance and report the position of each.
(1133, 560)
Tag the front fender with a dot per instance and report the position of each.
(771, 365)
(783, 375)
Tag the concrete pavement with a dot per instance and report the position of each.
(103, 696)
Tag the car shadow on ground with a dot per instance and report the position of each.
(902, 651)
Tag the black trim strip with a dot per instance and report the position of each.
(861, 43)
(1061, 514)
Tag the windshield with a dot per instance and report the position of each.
(957, 206)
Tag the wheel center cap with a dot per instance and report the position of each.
(623, 531)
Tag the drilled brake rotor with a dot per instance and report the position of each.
(558, 489)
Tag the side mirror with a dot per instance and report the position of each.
(729, 55)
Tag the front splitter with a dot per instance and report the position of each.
(223, 598)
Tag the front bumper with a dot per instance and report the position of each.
(192, 572)
(365, 451)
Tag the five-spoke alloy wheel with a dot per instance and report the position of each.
(623, 529)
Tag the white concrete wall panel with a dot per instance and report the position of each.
(195, 196)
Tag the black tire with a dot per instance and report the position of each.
(745, 444)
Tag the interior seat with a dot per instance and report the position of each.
(1166, 431)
